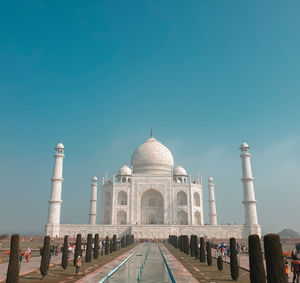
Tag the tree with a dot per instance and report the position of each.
(208, 253)
(13, 265)
(257, 270)
(274, 259)
(192, 245)
(196, 246)
(180, 243)
(202, 250)
(96, 246)
(114, 242)
(88, 255)
(234, 265)
(186, 241)
(45, 257)
(220, 263)
(106, 245)
(77, 252)
(111, 249)
(64, 259)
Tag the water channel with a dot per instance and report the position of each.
(154, 269)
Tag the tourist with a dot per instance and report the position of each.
(78, 265)
(295, 268)
(70, 250)
(27, 254)
(21, 254)
(228, 251)
(293, 255)
(287, 270)
(56, 250)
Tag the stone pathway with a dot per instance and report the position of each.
(27, 267)
(180, 273)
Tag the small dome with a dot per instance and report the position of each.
(179, 171)
(60, 146)
(244, 145)
(124, 170)
(95, 179)
(210, 179)
(152, 157)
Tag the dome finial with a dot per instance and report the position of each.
(151, 132)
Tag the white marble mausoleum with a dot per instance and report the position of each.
(152, 199)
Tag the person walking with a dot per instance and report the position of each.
(27, 254)
(287, 270)
(78, 265)
(21, 254)
(296, 270)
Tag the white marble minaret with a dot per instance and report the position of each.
(57, 179)
(247, 179)
(93, 204)
(212, 202)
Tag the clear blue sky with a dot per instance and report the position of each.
(97, 74)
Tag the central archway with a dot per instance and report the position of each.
(152, 207)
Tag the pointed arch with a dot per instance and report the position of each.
(197, 218)
(152, 207)
(196, 199)
(181, 198)
(182, 218)
(122, 198)
(121, 217)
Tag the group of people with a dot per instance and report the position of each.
(295, 267)
(224, 248)
(27, 254)
(55, 249)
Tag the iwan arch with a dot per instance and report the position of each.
(152, 199)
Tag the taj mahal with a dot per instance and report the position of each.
(153, 199)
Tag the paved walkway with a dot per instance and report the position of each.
(180, 273)
(27, 267)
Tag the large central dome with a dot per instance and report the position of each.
(152, 157)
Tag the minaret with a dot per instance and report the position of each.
(93, 204)
(247, 179)
(57, 179)
(212, 202)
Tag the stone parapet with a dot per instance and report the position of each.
(153, 231)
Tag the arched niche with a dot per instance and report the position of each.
(197, 218)
(196, 199)
(107, 199)
(181, 198)
(152, 207)
(122, 198)
(182, 218)
(121, 217)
